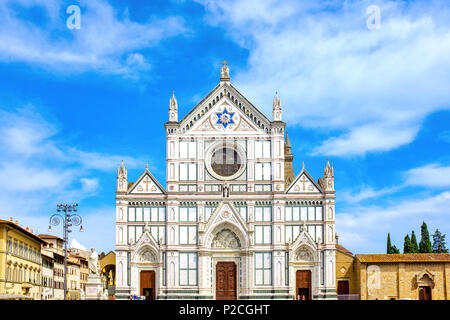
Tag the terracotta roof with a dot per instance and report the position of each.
(28, 233)
(404, 257)
(343, 250)
(49, 236)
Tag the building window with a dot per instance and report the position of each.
(263, 268)
(188, 149)
(159, 234)
(322, 268)
(9, 244)
(262, 149)
(164, 269)
(188, 269)
(243, 212)
(263, 214)
(188, 171)
(263, 171)
(188, 214)
(208, 212)
(263, 234)
(188, 234)
(293, 213)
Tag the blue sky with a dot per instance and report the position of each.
(74, 102)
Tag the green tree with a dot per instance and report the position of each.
(395, 249)
(425, 243)
(439, 245)
(414, 243)
(407, 245)
(389, 246)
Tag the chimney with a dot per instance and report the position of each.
(31, 230)
(17, 222)
(11, 219)
(28, 229)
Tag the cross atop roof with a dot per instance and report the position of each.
(224, 63)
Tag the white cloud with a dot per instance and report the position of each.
(371, 89)
(74, 244)
(108, 41)
(364, 229)
(365, 192)
(430, 176)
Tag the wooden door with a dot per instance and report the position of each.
(148, 285)
(303, 285)
(343, 287)
(425, 293)
(226, 281)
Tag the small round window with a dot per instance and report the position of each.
(225, 161)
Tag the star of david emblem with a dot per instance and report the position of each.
(225, 118)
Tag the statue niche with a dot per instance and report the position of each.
(226, 239)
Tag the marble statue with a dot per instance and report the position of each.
(93, 262)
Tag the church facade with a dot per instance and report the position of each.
(233, 221)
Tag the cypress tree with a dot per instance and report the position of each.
(408, 246)
(395, 249)
(414, 243)
(389, 246)
(425, 243)
(439, 245)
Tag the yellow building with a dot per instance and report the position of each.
(108, 269)
(20, 261)
(419, 276)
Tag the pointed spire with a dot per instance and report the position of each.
(173, 108)
(146, 166)
(303, 166)
(328, 172)
(287, 142)
(276, 108)
(122, 178)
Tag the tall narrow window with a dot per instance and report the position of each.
(286, 267)
(263, 213)
(188, 269)
(263, 234)
(263, 268)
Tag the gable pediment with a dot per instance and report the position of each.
(303, 240)
(146, 249)
(227, 215)
(146, 184)
(304, 183)
(205, 117)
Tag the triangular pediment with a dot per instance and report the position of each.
(146, 242)
(304, 183)
(226, 214)
(146, 184)
(206, 115)
(303, 239)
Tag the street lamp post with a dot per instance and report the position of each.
(69, 219)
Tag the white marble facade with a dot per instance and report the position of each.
(214, 211)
